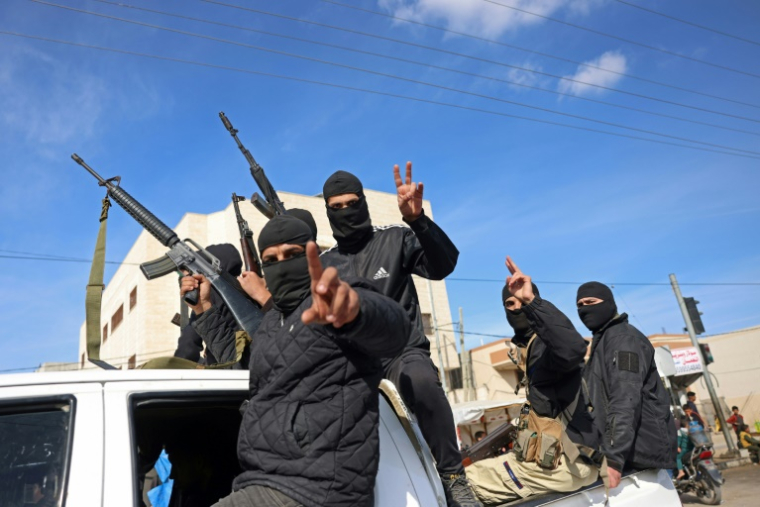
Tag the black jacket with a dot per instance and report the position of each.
(310, 428)
(391, 255)
(631, 406)
(555, 366)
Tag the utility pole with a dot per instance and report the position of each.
(706, 375)
(444, 381)
(464, 360)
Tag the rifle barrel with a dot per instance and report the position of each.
(81, 162)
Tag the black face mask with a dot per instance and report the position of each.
(521, 325)
(288, 281)
(351, 226)
(594, 317)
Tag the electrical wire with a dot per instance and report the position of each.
(690, 23)
(427, 65)
(715, 284)
(475, 58)
(749, 153)
(370, 91)
(46, 257)
(30, 258)
(623, 39)
(519, 48)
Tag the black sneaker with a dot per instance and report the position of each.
(459, 492)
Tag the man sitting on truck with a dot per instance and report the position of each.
(555, 449)
(631, 406)
(309, 434)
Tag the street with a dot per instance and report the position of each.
(741, 489)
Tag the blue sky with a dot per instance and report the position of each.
(568, 205)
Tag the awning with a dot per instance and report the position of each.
(478, 412)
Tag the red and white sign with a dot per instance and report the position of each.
(687, 361)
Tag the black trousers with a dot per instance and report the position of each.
(416, 378)
(257, 496)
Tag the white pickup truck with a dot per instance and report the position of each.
(88, 438)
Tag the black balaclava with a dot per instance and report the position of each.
(594, 317)
(351, 226)
(306, 217)
(517, 318)
(288, 280)
(230, 261)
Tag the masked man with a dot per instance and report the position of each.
(557, 442)
(631, 406)
(309, 432)
(390, 256)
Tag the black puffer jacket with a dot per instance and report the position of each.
(391, 255)
(555, 366)
(310, 428)
(631, 406)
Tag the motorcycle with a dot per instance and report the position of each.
(702, 475)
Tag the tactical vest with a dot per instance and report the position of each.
(541, 439)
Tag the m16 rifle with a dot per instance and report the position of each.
(250, 255)
(183, 255)
(271, 204)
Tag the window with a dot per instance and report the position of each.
(118, 316)
(132, 362)
(105, 332)
(204, 468)
(455, 378)
(427, 324)
(34, 450)
(132, 299)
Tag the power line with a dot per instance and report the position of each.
(370, 91)
(53, 259)
(519, 48)
(476, 58)
(750, 153)
(628, 41)
(424, 64)
(690, 23)
(716, 284)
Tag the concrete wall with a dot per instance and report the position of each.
(147, 332)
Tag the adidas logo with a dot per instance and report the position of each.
(381, 273)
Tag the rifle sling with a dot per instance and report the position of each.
(95, 292)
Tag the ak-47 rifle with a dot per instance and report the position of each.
(271, 204)
(250, 255)
(183, 255)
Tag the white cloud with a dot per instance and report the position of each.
(483, 18)
(611, 60)
(524, 77)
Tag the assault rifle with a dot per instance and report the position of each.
(271, 204)
(183, 255)
(250, 255)
(491, 446)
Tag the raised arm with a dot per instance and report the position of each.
(428, 251)
(371, 322)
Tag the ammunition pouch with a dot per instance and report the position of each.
(539, 439)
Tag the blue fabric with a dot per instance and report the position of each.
(160, 495)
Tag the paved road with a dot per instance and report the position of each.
(742, 488)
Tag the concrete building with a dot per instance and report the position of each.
(136, 313)
(735, 372)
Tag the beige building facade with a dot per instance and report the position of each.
(735, 372)
(136, 313)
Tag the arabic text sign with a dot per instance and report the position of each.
(687, 360)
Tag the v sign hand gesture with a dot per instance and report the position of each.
(520, 284)
(409, 194)
(333, 301)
